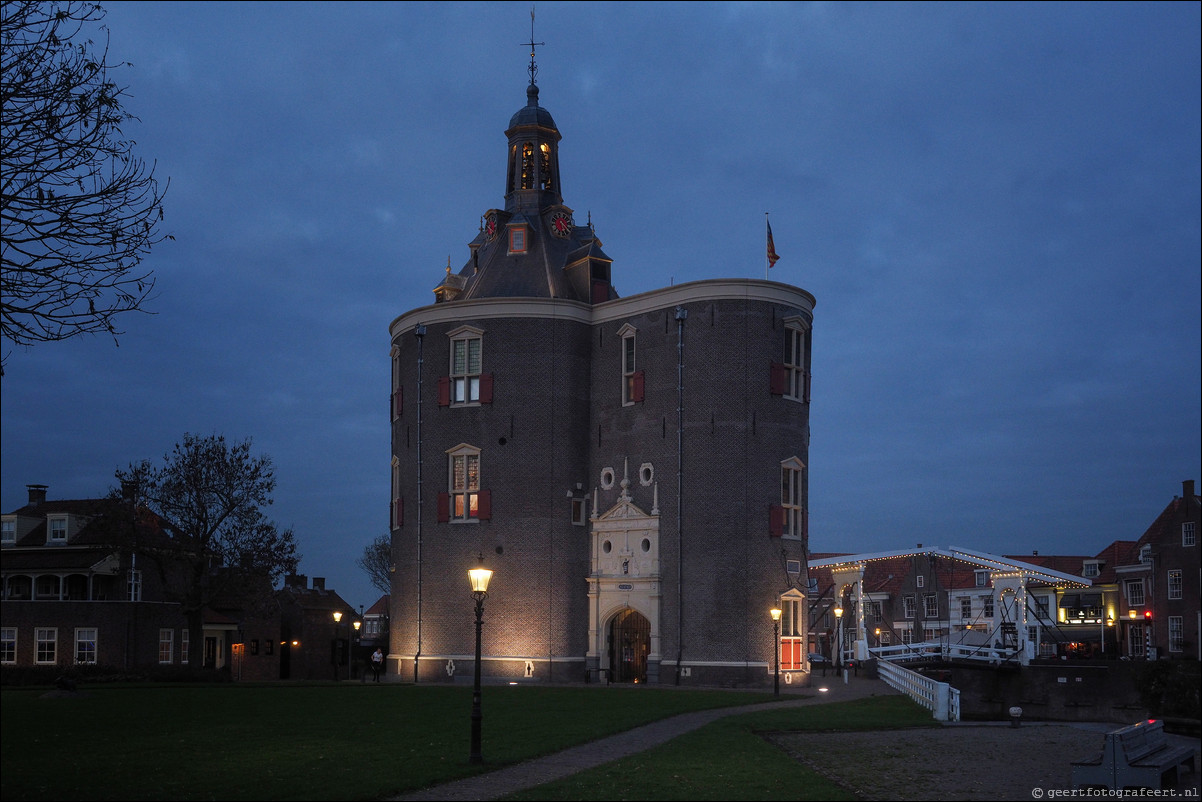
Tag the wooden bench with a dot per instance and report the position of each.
(1138, 756)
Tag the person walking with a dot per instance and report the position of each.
(377, 662)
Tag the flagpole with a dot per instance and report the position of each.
(767, 261)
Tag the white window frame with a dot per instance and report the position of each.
(87, 644)
(56, 529)
(166, 646)
(133, 585)
(795, 359)
(930, 605)
(886, 638)
(1091, 568)
(1135, 592)
(792, 482)
(396, 492)
(45, 646)
(987, 606)
(465, 500)
(1173, 583)
(1145, 554)
(1176, 633)
(185, 637)
(982, 578)
(465, 377)
(965, 608)
(8, 531)
(908, 605)
(920, 581)
(8, 645)
(1188, 535)
(629, 360)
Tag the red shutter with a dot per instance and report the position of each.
(484, 505)
(776, 378)
(805, 524)
(444, 507)
(398, 513)
(444, 391)
(397, 405)
(640, 381)
(776, 520)
(600, 291)
(485, 388)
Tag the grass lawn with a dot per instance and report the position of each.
(352, 741)
(299, 741)
(729, 759)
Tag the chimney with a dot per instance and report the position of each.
(319, 583)
(37, 494)
(1187, 488)
(296, 581)
(1035, 553)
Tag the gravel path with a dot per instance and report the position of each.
(962, 762)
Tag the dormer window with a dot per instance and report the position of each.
(1145, 554)
(1091, 568)
(8, 532)
(517, 239)
(57, 530)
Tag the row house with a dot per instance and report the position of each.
(86, 583)
(1133, 600)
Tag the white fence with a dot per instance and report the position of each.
(939, 697)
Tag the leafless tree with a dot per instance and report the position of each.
(212, 495)
(80, 211)
(376, 562)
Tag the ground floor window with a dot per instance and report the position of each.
(45, 645)
(85, 645)
(166, 645)
(183, 646)
(1176, 633)
(1135, 640)
(8, 645)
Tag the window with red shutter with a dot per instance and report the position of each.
(776, 378)
(397, 404)
(639, 382)
(486, 388)
(398, 513)
(444, 507)
(444, 391)
(484, 505)
(776, 520)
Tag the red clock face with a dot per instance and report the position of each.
(561, 225)
(490, 226)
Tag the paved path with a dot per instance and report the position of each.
(518, 777)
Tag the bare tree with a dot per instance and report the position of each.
(376, 562)
(80, 211)
(212, 495)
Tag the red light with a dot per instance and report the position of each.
(1147, 613)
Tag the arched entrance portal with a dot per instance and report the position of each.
(629, 645)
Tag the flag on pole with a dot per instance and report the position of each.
(772, 257)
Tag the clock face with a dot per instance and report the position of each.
(490, 226)
(561, 224)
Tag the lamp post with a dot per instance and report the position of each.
(838, 638)
(775, 613)
(350, 650)
(479, 577)
(337, 619)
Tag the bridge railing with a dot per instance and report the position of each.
(939, 697)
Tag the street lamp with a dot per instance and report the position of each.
(775, 613)
(479, 577)
(337, 618)
(350, 651)
(838, 637)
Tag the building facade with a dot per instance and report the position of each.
(634, 470)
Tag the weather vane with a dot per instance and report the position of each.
(533, 44)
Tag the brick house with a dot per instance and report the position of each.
(633, 469)
(83, 585)
(1160, 608)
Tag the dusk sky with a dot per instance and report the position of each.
(997, 207)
